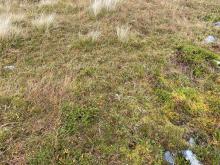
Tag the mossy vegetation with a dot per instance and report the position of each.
(76, 118)
(211, 18)
(198, 59)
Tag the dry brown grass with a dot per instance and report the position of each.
(48, 93)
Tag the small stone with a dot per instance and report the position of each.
(192, 142)
(217, 24)
(188, 155)
(210, 39)
(168, 157)
(9, 67)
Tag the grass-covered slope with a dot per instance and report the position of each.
(116, 84)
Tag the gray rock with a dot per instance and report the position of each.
(217, 24)
(9, 67)
(168, 157)
(188, 155)
(210, 39)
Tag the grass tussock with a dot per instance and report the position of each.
(123, 33)
(98, 6)
(44, 21)
(7, 29)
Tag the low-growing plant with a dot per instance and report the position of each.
(77, 118)
(4, 133)
(42, 154)
(87, 41)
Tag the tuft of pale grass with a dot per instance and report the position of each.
(110, 4)
(98, 6)
(94, 35)
(44, 21)
(7, 29)
(123, 33)
(48, 2)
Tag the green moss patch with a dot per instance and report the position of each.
(197, 59)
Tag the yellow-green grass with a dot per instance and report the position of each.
(74, 100)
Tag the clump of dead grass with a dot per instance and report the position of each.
(46, 92)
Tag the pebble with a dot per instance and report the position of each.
(217, 24)
(9, 67)
(188, 155)
(210, 39)
(168, 157)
